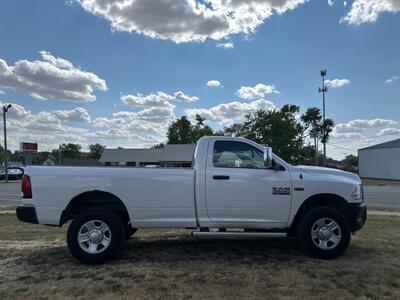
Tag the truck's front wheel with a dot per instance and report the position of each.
(95, 235)
(323, 232)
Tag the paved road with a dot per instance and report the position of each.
(386, 196)
(10, 193)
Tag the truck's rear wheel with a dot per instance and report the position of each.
(95, 235)
(323, 232)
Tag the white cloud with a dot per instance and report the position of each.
(25, 118)
(78, 114)
(213, 83)
(44, 127)
(346, 128)
(51, 77)
(338, 148)
(347, 135)
(123, 137)
(56, 61)
(227, 45)
(331, 2)
(256, 92)
(45, 118)
(156, 114)
(152, 100)
(17, 111)
(337, 83)
(188, 20)
(38, 97)
(367, 11)
(227, 113)
(1, 92)
(354, 128)
(180, 96)
(372, 123)
(149, 119)
(146, 127)
(159, 99)
(102, 122)
(141, 128)
(392, 79)
(389, 131)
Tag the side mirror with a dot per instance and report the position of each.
(268, 157)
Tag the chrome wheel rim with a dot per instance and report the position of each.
(326, 234)
(94, 236)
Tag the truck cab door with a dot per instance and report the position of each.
(240, 191)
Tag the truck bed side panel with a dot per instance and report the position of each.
(154, 197)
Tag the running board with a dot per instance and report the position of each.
(237, 234)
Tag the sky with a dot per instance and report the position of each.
(118, 72)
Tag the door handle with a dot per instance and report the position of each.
(221, 177)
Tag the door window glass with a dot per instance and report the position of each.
(229, 154)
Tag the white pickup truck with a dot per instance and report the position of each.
(236, 188)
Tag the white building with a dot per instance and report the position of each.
(380, 161)
(172, 155)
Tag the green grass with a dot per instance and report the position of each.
(7, 208)
(12, 230)
(380, 208)
(169, 264)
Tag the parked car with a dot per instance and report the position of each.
(14, 173)
(236, 188)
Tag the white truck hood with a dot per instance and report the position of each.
(334, 174)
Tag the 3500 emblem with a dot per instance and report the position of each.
(281, 190)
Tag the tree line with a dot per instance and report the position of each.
(295, 137)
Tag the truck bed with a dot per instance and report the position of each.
(153, 197)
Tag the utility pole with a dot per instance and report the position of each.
(5, 109)
(60, 148)
(323, 90)
(314, 135)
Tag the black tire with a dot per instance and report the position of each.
(305, 226)
(129, 231)
(115, 225)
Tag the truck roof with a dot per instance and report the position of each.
(214, 137)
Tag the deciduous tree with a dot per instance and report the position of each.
(95, 150)
(182, 131)
(71, 150)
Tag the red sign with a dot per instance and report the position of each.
(29, 147)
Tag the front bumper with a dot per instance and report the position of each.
(27, 214)
(356, 215)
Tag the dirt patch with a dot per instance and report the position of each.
(169, 264)
(20, 245)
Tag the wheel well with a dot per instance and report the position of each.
(95, 198)
(330, 200)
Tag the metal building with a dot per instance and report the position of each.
(177, 155)
(380, 161)
(172, 155)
